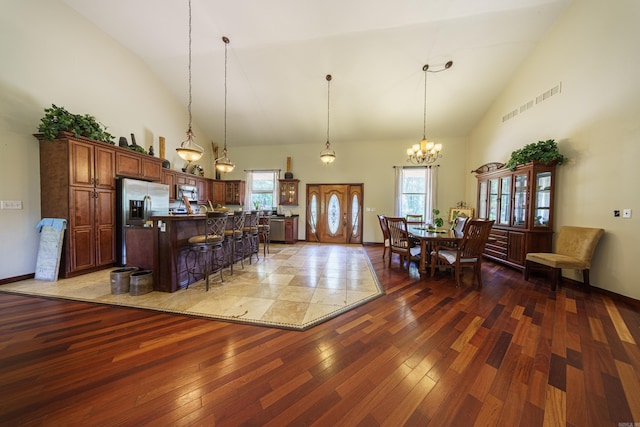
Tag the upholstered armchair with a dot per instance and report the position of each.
(574, 250)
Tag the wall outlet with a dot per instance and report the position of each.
(626, 213)
(11, 204)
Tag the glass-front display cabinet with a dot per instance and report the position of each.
(288, 192)
(520, 202)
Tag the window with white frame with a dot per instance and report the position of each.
(261, 189)
(415, 191)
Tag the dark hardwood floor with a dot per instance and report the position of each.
(425, 354)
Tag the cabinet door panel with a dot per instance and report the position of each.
(516, 247)
(151, 169)
(105, 245)
(128, 165)
(105, 168)
(82, 248)
(81, 165)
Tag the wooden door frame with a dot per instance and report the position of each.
(352, 189)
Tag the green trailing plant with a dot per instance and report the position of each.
(542, 151)
(437, 221)
(58, 119)
(138, 148)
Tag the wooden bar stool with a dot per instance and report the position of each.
(234, 239)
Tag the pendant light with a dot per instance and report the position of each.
(189, 150)
(223, 164)
(328, 155)
(426, 152)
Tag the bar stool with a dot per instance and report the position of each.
(264, 229)
(250, 235)
(234, 239)
(206, 251)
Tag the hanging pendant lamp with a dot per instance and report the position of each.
(189, 151)
(328, 155)
(426, 152)
(224, 164)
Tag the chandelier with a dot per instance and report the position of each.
(328, 155)
(426, 152)
(224, 164)
(189, 150)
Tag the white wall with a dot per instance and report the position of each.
(593, 52)
(51, 55)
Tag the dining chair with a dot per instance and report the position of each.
(206, 253)
(574, 250)
(399, 241)
(460, 223)
(385, 234)
(468, 253)
(264, 229)
(415, 219)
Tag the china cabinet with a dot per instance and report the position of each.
(520, 202)
(288, 192)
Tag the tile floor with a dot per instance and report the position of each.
(294, 287)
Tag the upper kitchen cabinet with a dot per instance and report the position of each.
(137, 165)
(234, 192)
(288, 192)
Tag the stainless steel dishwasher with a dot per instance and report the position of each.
(277, 229)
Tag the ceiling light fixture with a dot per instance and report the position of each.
(189, 150)
(223, 164)
(426, 152)
(328, 155)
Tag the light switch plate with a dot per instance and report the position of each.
(11, 204)
(626, 213)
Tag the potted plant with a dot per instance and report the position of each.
(438, 222)
(542, 151)
(58, 119)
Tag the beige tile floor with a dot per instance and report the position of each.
(294, 287)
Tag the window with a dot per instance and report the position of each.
(415, 191)
(261, 189)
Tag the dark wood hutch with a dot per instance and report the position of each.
(521, 203)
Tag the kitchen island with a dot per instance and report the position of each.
(170, 246)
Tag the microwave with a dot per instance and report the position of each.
(190, 191)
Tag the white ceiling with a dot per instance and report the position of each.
(281, 50)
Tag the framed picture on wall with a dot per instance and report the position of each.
(456, 212)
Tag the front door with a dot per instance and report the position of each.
(334, 213)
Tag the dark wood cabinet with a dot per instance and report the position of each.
(217, 192)
(169, 178)
(204, 196)
(521, 204)
(288, 192)
(234, 192)
(77, 183)
(136, 165)
(291, 229)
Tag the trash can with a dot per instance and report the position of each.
(120, 280)
(141, 282)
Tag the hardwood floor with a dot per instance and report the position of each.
(426, 354)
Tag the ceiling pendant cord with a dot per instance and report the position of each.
(223, 164)
(188, 149)
(424, 114)
(328, 155)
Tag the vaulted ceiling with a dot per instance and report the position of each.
(281, 51)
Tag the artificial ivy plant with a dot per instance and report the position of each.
(542, 151)
(58, 119)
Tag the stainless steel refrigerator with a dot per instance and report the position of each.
(138, 201)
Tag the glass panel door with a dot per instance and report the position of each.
(505, 200)
(482, 199)
(493, 199)
(520, 199)
(542, 199)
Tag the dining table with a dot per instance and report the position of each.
(430, 238)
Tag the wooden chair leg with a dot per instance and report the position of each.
(457, 275)
(557, 277)
(525, 272)
(585, 280)
(478, 271)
